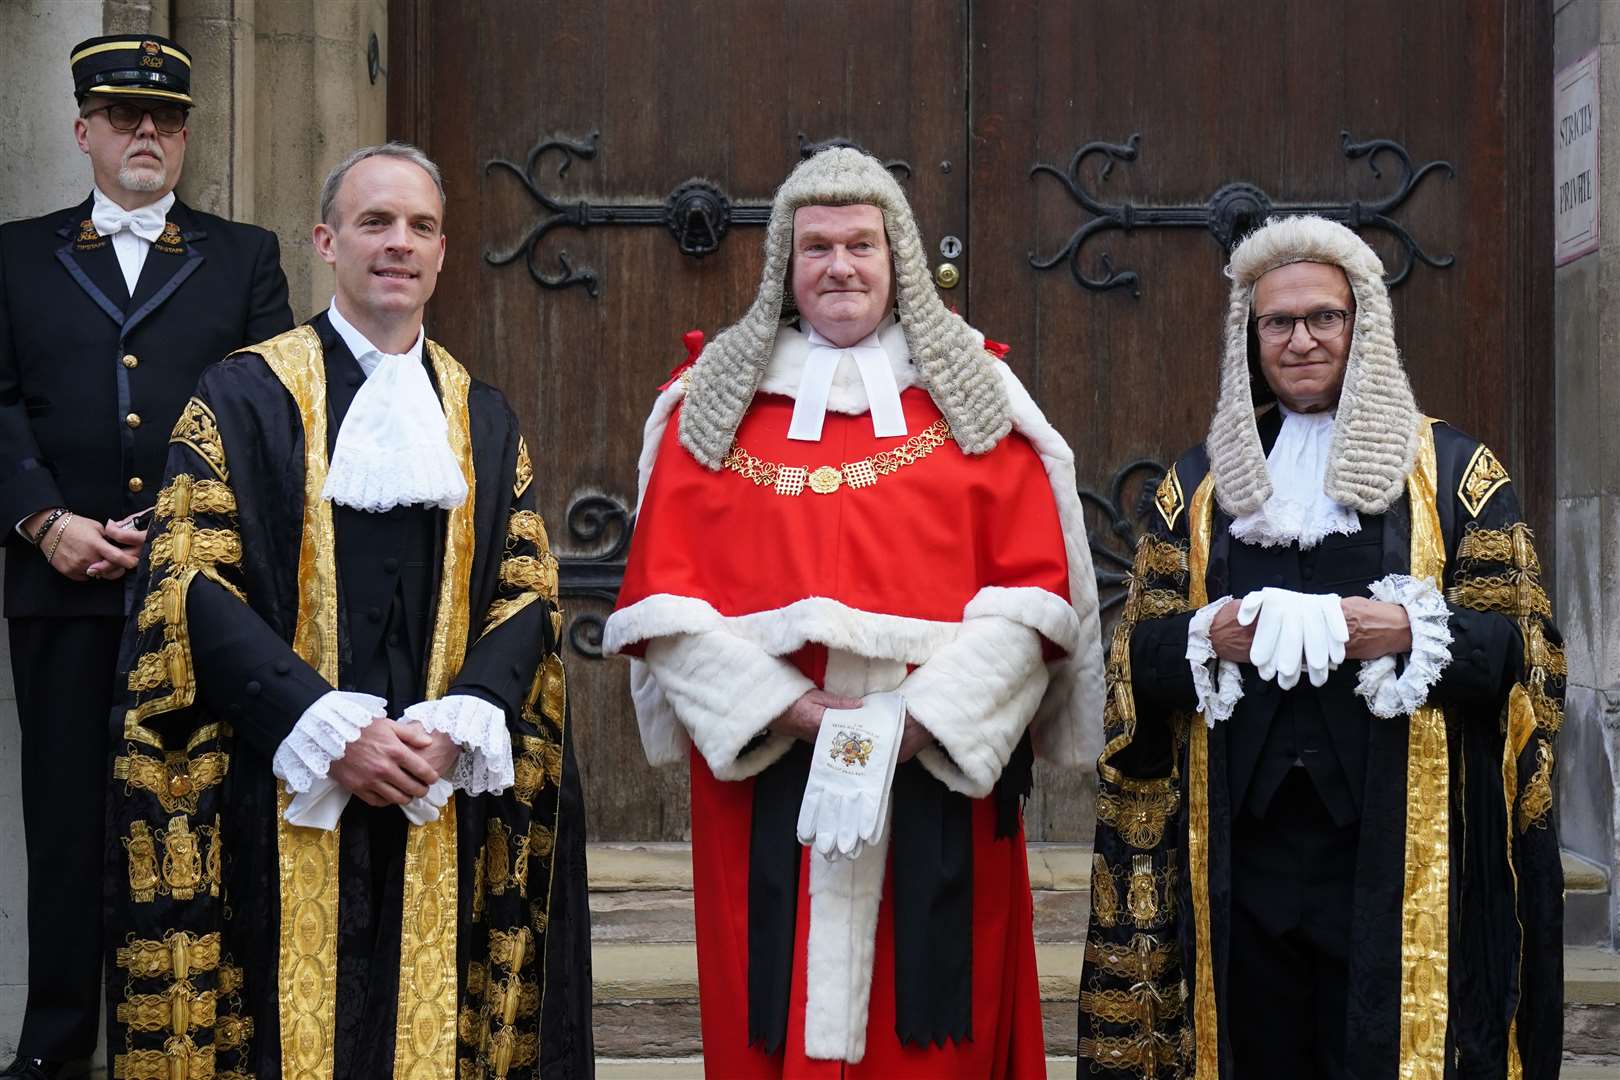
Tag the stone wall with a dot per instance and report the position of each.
(283, 91)
(1587, 590)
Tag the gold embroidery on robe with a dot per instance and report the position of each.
(524, 474)
(1142, 897)
(1483, 478)
(198, 429)
(1169, 499)
(1536, 801)
(143, 867)
(1140, 811)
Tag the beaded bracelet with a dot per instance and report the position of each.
(44, 530)
(56, 543)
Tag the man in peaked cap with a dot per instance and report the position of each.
(109, 310)
(1325, 843)
(847, 497)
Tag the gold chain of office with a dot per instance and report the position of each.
(826, 479)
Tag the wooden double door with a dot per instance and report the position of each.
(1079, 163)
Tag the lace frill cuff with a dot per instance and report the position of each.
(1219, 686)
(1387, 693)
(321, 736)
(485, 765)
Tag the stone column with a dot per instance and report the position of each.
(41, 169)
(1587, 358)
(316, 102)
(219, 159)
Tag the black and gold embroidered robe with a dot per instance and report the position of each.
(225, 922)
(1456, 929)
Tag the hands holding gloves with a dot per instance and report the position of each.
(846, 799)
(1296, 631)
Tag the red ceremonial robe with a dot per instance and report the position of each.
(887, 571)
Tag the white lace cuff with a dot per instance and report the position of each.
(322, 735)
(1390, 695)
(1219, 688)
(485, 764)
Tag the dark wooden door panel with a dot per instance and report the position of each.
(719, 91)
(971, 95)
(1257, 92)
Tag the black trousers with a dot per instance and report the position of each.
(1292, 879)
(64, 674)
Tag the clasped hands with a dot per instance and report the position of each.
(846, 795)
(1283, 633)
(394, 761)
(87, 550)
(802, 721)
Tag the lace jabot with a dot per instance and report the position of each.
(1299, 510)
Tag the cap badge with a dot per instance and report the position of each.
(151, 55)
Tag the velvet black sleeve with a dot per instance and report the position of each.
(1160, 675)
(500, 665)
(245, 671)
(26, 482)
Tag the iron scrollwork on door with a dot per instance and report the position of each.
(1231, 212)
(603, 524)
(697, 212)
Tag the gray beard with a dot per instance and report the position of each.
(142, 180)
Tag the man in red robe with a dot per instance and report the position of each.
(849, 494)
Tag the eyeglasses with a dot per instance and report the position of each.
(1324, 325)
(168, 119)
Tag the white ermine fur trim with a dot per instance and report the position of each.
(1067, 729)
(950, 359)
(726, 690)
(848, 393)
(839, 949)
(844, 897)
(976, 696)
(1068, 724)
(1376, 433)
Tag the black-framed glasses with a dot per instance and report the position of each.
(1324, 325)
(125, 117)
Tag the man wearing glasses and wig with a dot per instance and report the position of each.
(109, 311)
(1326, 844)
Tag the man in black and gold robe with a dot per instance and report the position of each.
(346, 828)
(1325, 841)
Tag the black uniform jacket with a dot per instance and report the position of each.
(1472, 941)
(215, 686)
(91, 378)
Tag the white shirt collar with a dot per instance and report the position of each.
(365, 353)
(100, 198)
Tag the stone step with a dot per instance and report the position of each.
(646, 996)
(628, 867)
(691, 1068)
(643, 892)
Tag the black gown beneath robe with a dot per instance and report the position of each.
(263, 949)
(1455, 929)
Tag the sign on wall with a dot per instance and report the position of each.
(1575, 160)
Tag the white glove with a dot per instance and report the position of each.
(846, 799)
(1297, 631)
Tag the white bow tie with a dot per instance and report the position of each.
(815, 387)
(110, 219)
